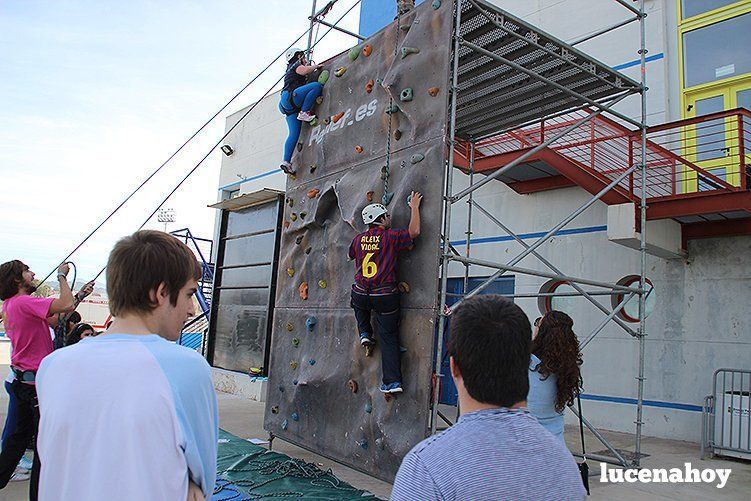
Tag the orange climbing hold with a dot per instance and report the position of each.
(303, 290)
(352, 384)
(433, 91)
(369, 196)
(358, 148)
(337, 117)
(313, 193)
(367, 50)
(286, 224)
(369, 86)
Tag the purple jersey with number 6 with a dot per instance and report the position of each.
(375, 254)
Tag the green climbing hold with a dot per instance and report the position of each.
(436, 4)
(406, 51)
(391, 109)
(323, 77)
(354, 52)
(295, 342)
(387, 197)
(406, 95)
(314, 122)
(416, 158)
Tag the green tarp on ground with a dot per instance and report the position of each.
(255, 472)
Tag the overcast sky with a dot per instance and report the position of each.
(96, 94)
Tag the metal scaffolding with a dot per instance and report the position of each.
(506, 74)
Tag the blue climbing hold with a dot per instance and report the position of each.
(285, 424)
(312, 361)
(363, 444)
(281, 388)
(295, 416)
(436, 4)
(295, 382)
(368, 408)
(310, 323)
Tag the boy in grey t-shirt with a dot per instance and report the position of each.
(496, 450)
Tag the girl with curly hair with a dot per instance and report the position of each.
(554, 376)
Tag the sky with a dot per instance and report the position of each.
(95, 95)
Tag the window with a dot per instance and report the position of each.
(717, 51)
(691, 8)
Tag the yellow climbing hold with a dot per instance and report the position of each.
(291, 272)
(340, 71)
(322, 284)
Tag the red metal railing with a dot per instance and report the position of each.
(707, 153)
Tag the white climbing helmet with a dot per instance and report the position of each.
(372, 212)
(291, 53)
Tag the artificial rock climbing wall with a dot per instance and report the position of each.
(323, 391)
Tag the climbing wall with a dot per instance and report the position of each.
(388, 94)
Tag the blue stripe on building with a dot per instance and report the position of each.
(647, 403)
(526, 236)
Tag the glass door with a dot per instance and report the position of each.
(707, 142)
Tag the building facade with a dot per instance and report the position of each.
(698, 63)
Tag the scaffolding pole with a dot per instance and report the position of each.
(579, 101)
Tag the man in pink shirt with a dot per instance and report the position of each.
(25, 320)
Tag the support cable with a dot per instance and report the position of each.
(188, 141)
(250, 109)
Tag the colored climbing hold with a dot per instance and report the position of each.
(255, 371)
(406, 51)
(403, 287)
(299, 146)
(369, 86)
(433, 91)
(313, 168)
(298, 240)
(352, 385)
(303, 214)
(391, 109)
(379, 443)
(337, 117)
(290, 202)
(402, 164)
(295, 342)
(293, 216)
(326, 120)
(292, 176)
(406, 95)
(275, 409)
(340, 71)
(310, 323)
(295, 416)
(307, 251)
(281, 389)
(286, 224)
(319, 100)
(368, 407)
(322, 284)
(416, 158)
(369, 196)
(387, 197)
(354, 52)
(303, 290)
(323, 77)
(312, 361)
(313, 193)
(367, 50)
(314, 122)
(436, 4)
(285, 424)
(379, 81)
(293, 366)
(397, 134)
(291, 272)
(294, 382)
(290, 327)
(358, 148)
(363, 444)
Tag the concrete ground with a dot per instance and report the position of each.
(244, 418)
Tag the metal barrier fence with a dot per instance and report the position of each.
(726, 418)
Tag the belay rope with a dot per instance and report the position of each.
(386, 170)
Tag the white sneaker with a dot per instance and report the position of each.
(304, 116)
(19, 477)
(24, 464)
(287, 168)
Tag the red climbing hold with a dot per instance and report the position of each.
(369, 86)
(358, 148)
(367, 50)
(313, 193)
(303, 290)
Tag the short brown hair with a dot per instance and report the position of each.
(11, 276)
(139, 263)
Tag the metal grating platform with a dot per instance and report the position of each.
(497, 95)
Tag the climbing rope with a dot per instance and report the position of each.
(386, 171)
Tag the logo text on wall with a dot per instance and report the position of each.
(366, 110)
(687, 475)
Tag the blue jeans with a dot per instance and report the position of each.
(303, 99)
(10, 418)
